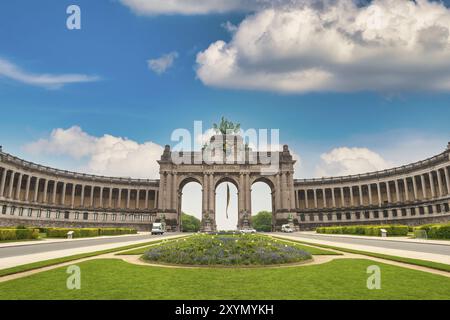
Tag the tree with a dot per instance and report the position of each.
(262, 221)
(189, 223)
(226, 127)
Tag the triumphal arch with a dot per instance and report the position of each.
(226, 158)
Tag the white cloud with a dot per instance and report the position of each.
(385, 45)
(346, 161)
(106, 155)
(191, 7)
(49, 81)
(163, 63)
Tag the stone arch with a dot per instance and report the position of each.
(233, 219)
(271, 183)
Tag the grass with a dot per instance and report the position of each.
(338, 279)
(417, 262)
(52, 262)
(142, 250)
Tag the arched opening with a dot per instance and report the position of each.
(262, 205)
(191, 200)
(226, 218)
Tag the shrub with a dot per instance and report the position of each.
(18, 234)
(262, 221)
(369, 230)
(436, 231)
(87, 232)
(190, 223)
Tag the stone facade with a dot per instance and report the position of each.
(412, 194)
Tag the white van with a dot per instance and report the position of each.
(158, 228)
(286, 228)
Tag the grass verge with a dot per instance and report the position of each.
(417, 262)
(52, 262)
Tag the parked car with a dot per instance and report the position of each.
(286, 228)
(158, 228)
(251, 230)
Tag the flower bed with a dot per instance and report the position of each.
(229, 250)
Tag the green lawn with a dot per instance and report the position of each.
(339, 279)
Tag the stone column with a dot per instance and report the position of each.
(333, 197)
(27, 190)
(283, 191)
(212, 195)
(55, 187)
(315, 198)
(63, 195)
(82, 195)
(424, 186)
(278, 192)
(439, 178)
(18, 187)
(72, 200)
(324, 193)
(101, 197)
(91, 198)
(306, 199)
(110, 197)
(388, 191)
(414, 188)
(380, 201)
(128, 198)
(11, 184)
(342, 197)
(155, 202)
(36, 190)
(44, 198)
(405, 183)
(2, 183)
(433, 191)
(352, 200)
(447, 179)
(146, 199)
(369, 188)
(161, 192)
(175, 191)
(119, 198)
(169, 191)
(397, 190)
(205, 201)
(361, 197)
(291, 191)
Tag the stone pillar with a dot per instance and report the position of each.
(439, 178)
(119, 198)
(424, 186)
(63, 195)
(2, 183)
(278, 191)
(415, 188)
(91, 199)
(212, 196)
(283, 191)
(161, 192)
(128, 198)
(405, 183)
(433, 191)
(397, 190)
(369, 188)
(18, 187)
(101, 197)
(361, 197)
(306, 199)
(169, 191)
(380, 201)
(248, 205)
(291, 191)
(11, 184)
(205, 201)
(146, 199)
(352, 200)
(110, 197)
(36, 190)
(155, 202)
(315, 198)
(388, 191)
(342, 197)
(44, 198)
(27, 190)
(324, 193)
(72, 200)
(241, 194)
(175, 191)
(447, 179)
(333, 197)
(55, 187)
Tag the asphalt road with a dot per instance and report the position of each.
(389, 244)
(22, 250)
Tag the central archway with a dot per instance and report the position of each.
(226, 219)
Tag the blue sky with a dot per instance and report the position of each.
(400, 124)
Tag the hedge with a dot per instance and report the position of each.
(86, 232)
(368, 230)
(18, 234)
(436, 231)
